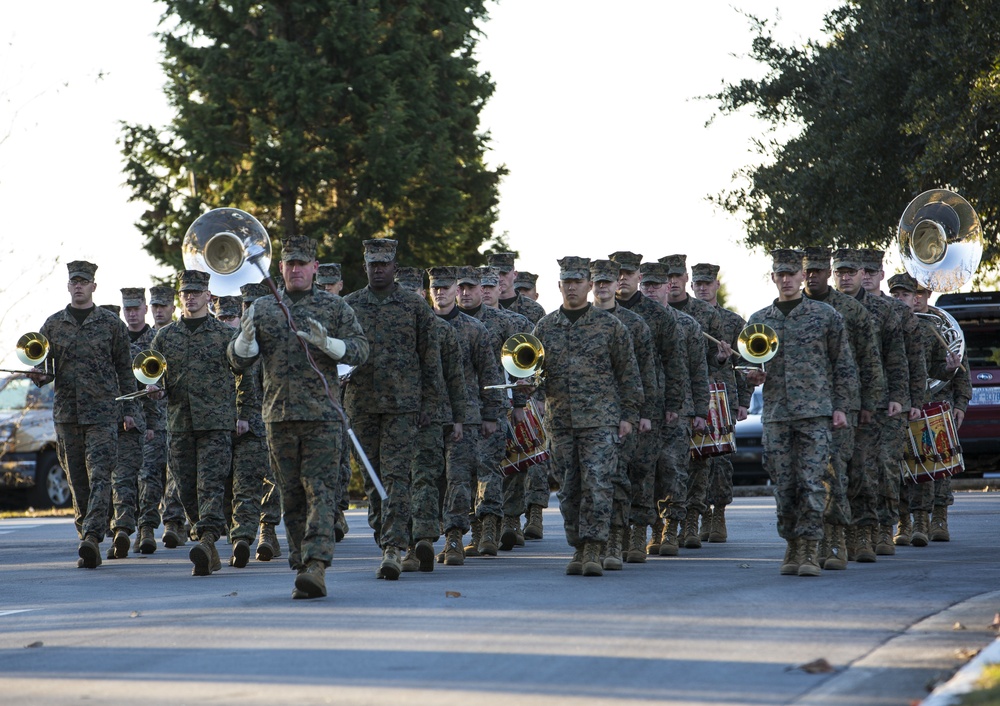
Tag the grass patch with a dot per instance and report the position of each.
(987, 688)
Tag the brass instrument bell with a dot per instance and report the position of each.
(522, 355)
(148, 367)
(940, 240)
(231, 245)
(757, 343)
(32, 348)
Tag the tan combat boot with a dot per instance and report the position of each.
(267, 545)
(668, 540)
(410, 562)
(866, 550)
(173, 535)
(488, 542)
(472, 548)
(718, 533)
(340, 526)
(119, 545)
(241, 553)
(575, 565)
(591, 559)
(636, 545)
(939, 524)
(790, 563)
(533, 523)
(691, 539)
(310, 582)
(89, 552)
(808, 565)
(424, 551)
(823, 553)
(391, 566)
(454, 555)
(837, 558)
(885, 546)
(921, 523)
(508, 532)
(706, 524)
(203, 556)
(653, 546)
(146, 540)
(903, 531)
(613, 549)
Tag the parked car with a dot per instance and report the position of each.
(748, 468)
(978, 313)
(30, 473)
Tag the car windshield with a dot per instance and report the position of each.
(982, 349)
(19, 393)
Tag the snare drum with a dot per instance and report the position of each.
(526, 443)
(719, 437)
(932, 450)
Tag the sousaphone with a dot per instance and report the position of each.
(229, 244)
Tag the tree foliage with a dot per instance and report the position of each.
(900, 96)
(337, 119)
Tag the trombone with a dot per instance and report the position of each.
(148, 366)
(522, 356)
(32, 349)
(757, 343)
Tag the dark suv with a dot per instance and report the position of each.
(978, 313)
(29, 468)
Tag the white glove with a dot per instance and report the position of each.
(246, 342)
(333, 347)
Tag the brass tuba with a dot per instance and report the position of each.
(949, 332)
(231, 245)
(522, 356)
(940, 240)
(148, 366)
(757, 343)
(32, 349)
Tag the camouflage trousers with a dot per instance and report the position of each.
(586, 461)
(699, 474)
(916, 497)
(720, 481)
(251, 464)
(309, 485)
(88, 453)
(425, 475)
(199, 464)
(270, 501)
(390, 441)
(344, 479)
(463, 460)
(943, 495)
(796, 457)
(621, 507)
(125, 481)
(490, 482)
(536, 485)
(671, 483)
(838, 507)
(862, 480)
(642, 476)
(154, 486)
(894, 438)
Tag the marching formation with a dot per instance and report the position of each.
(463, 413)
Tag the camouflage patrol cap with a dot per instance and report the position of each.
(83, 269)
(113, 308)
(380, 250)
(704, 272)
(488, 276)
(572, 267)
(228, 306)
(654, 272)
(786, 260)
(328, 273)
(604, 270)
(301, 248)
(524, 280)
(676, 264)
(193, 281)
(161, 295)
(816, 258)
(254, 291)
(871, 259)
(409, 277)
(442, 276)
(133, 296)
(467, 275)
(627, 261)
(904, 280)
(846, 258)
(503, 261)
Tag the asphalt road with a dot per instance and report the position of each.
(717, 625)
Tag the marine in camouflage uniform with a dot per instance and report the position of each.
(705, 284)
(867, 511)
(464, 456)
(88, 346)
(391, 394)
(201, 415)
(531, 488)
(659, 489)
(491, 504)
(526, 283)
(807, 388)
(845, 481)
(593, 393)
(300, 406)
(447, 420)
(604, 275)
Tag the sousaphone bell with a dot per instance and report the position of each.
(940, 240)
(229, 244)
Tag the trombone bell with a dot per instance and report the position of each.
(32, 348)
(757, 343)
(231, 245)
(148, 366)
(940, 240)
(522, 355)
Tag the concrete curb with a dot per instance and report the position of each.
(965, 678)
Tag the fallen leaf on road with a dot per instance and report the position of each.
(966, 653)
(452, 594)
(958, 626)
(34, 644)
(134, 614)
(817, 666)
(996, 622)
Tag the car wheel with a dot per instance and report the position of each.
(51, 484)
